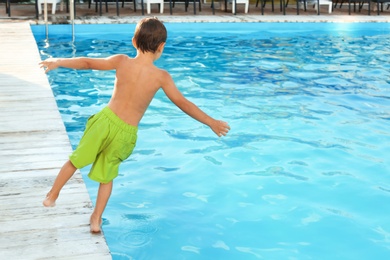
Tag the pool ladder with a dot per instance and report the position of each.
(71, 10)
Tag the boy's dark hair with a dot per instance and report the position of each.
(149, 34)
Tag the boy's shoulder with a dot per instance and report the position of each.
(120, 56)
(121, 60)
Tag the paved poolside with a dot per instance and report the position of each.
(34, 143)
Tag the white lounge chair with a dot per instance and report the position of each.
(149, 2)
(329, 3)
(53, 5)
(246, 2)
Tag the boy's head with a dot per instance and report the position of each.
(149, 34)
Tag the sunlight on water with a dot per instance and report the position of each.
(304, 172)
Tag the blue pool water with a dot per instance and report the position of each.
(304, 172)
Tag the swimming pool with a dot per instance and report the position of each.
(304, 172)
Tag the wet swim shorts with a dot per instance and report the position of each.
(106, 142)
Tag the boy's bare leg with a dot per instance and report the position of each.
(104, 194)
(63, 176)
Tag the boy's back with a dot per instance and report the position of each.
(137, 81)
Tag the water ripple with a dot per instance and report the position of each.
(166, 169)
(275, 171)
(141, 229)
(334, 173)
(212, 160)
(192, 249)
(221, 244)
(384, 189)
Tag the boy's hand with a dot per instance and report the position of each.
(219, 127)
(49, 64)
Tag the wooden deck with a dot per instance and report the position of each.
(33, 147)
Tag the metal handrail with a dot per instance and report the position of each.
(72, 11)
(72, 17)
(45, 18)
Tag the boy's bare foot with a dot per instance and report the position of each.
(50, 200)
(95, 224)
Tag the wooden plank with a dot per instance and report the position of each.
(33, 147)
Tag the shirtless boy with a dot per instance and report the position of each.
(111, 134)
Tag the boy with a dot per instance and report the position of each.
(110, 135)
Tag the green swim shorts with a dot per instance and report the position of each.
(106, 142)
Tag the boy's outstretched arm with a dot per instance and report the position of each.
(219, 127)
(82, 63)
